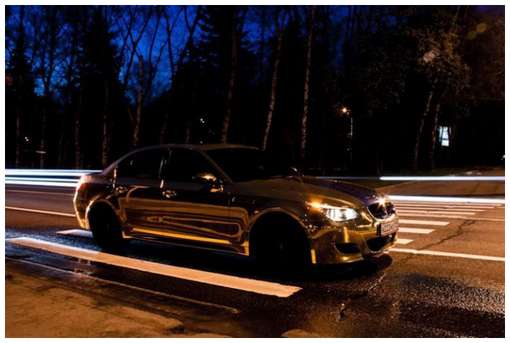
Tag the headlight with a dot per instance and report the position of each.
(335, 213)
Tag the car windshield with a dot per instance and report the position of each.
(244, 164)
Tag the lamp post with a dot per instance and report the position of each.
(345, 112)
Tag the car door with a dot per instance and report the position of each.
(137, 187)
(197, 208)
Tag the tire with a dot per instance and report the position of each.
(282, 250)
(106, 229)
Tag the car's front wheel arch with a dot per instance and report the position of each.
(105, 225)
(278, 233)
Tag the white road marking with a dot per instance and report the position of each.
(403, 241)
(424, 203)
(62, 214)
(436, 212)
(442, 178)
(432, 207)
(76, 232)
(451, 216)
(413, 230)
(444, 199)
(38, 192)
(448, 254)
(423, 222)
(234, 282)
(144, 290)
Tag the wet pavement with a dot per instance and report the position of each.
(396, 295)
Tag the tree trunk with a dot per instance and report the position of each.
(77, 147)
(433, 130)
(421, 123)
(18, 136)
(53, 31)
(231, 82)
(139, 104)
(274, 83)
(187, 138)
(61, 146)
(42, 143)
(433, 136)
(106, 133)
(19, 99)
(306, 88)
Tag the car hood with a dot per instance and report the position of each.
(310, 189)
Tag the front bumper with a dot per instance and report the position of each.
(344, 244)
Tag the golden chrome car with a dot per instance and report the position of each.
(232, 198)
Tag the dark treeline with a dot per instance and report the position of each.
(370, 89)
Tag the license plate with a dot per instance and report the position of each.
(388, 228)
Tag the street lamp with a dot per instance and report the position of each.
(345, 111)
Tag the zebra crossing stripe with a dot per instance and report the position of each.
(451, 216)
(417, 203)
(436, 212)
(415, 230)
(445, 199)
(423, 222)
(448, 254)
(403, 241)
(448, 208)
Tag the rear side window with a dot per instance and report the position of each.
(186, 164)
(144, 164)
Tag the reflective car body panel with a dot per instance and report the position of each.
(217, 212)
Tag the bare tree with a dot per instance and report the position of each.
(187, 49)
(279, 22)
(147, 68)
(421, 124)
(306, 87)
(47, 67)
(237, 27)
(441, 63)
(135, 40)
(20, 51)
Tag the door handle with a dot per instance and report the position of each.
(121, 189)
(168, 193)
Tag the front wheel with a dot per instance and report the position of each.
(106, 229)
(285, 251)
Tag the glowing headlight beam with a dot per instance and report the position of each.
(41, 179)
(41, 183)
(49, 172)
(445, 199)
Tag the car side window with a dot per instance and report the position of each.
(145, 164)
(186, 164)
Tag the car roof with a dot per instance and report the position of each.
(196, 147)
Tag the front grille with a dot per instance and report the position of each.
(376, 244)
(381, 211)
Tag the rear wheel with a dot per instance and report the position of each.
(106, 228)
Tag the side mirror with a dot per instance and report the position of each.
(211, 182)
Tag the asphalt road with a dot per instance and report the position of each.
(445, 278)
